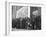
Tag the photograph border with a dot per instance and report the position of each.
(7, 15)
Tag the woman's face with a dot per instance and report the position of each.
(36, 13)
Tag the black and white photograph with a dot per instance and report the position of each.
(26, 19)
